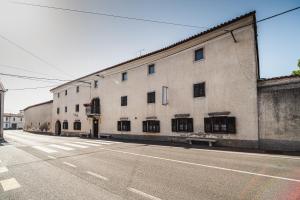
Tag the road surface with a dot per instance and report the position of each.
(34, 167)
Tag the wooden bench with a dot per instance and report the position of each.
(209, 140)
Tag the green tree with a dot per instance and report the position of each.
(297, 72)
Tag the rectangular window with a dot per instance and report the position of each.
(77, 108)
(66, 92)
(57, 110)
(152, 126)
(182, 125)
(124, 76)
(95, 83)
(199, 54)
(65, 125)
(77, 89)
(123, 125)
(124, 101)
(151, 97)
(199, 90)
(151, 69)
(14, 119)
(220, 124)
(66, 109)
(77, 125)
(57, 95)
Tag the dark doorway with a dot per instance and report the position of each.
(95, 127)
(57, 128)
(14, 126)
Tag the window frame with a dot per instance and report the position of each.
(201, 89)
(220, 125)
(57, 110)
(151, 126)
(151, 99)
(183, 125)
(124, 100)
(77, 126)
(124, 76)
(151, 66)
(124, 125)
(65, 125)
(66, 109)
(77, 108)
(66, 92)
(195, 54)
(77, 89)
(95, 83)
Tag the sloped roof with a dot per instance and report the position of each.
(39, 104)
(252, 13)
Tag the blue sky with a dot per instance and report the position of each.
(79, 44)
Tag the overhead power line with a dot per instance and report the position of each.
(31, 88)
(276, 15)
(21, 69)
(110, 15)
(33, 55)
(33, 77)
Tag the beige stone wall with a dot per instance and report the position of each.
(229, 71)
(38, 118)
(1, 110)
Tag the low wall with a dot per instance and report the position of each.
(279, 113)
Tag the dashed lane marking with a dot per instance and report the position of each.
(9, 184)
(3, 169)
(69, 164)
(61, 147)
(97, 175)
(76, 145)
(89, 144)
(99, 142)
(148, 196)
(44, 149)
(51, 157)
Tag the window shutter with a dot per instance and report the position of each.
(207, 125)
(128, 125)
(190, 127)
(157, 126)
(119, 125)
(174, 125)
(144, 126)
(231, 128)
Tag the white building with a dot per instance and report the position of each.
(203, 86)
(13, 121)
(2, 90)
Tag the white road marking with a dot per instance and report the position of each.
(89, 144)
(206, 166)
(251, 154)
(61, 147)
(70, 165)
(9, 184)
(102, 142)
(51, 157)
(76, 145)
(143, 194)
(97, 175)
(3, 169)
(45, 149)
(97, 142)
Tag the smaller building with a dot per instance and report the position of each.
(38, 117)
(2, 90)
(13, 121)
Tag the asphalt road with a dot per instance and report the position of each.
(34, 167)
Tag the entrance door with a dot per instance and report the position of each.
(57, 128)
(14, 126)
(95, 127)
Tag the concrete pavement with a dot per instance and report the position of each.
(50, 167)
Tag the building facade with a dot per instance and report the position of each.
(203, 86)
(2, 90)
(13, 121)
(38, 118)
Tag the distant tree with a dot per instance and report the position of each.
(297, 72)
